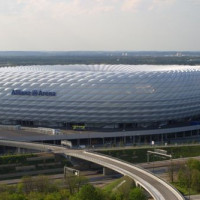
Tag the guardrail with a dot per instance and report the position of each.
(87, 155)
(148, 187)
(175, 191)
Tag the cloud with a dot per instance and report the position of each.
(145, 5)
(161, 3)
(58, 9)
(130, 5)
(196, 2)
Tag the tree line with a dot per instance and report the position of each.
(72, 188)
(189, 175)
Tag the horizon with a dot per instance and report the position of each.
(159, 51)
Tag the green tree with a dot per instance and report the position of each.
(7, 196)
(35, 196)
(182, 178)
(195, 180)
(27, 184)
(53, 196)
(64, 194)
(118, 196)
(3, 188)
(124, 190)
(42, 184)
(89, 192)
(171, 172)
(193, 164)
(74, 183)
(137, 194)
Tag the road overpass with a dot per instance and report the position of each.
(159, 189)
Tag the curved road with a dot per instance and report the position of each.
(159, 189)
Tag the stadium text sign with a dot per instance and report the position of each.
(33, 93)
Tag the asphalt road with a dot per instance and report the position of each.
(159, 189)
(150, 182)
(93, 177)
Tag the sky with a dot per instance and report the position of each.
(99, 25)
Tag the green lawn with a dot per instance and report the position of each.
(128, 183)
(183, 190)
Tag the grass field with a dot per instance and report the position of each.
(123, 182)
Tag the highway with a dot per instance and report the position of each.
(159, 189)
(94, 178)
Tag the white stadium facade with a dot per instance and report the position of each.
(135, 98)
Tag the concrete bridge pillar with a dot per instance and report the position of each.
(124, 139)
(18, 150)
(139, 139)
(69, 158)
(21, 150)
(184, 134)
(103, 141)
(133, 139)
(137, 184)
(115, 140)
(162, 138)
(150, 138)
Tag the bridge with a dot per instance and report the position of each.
(159, 189)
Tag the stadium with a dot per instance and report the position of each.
(102, 97)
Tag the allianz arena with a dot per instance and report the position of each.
(99, 95)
